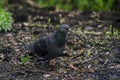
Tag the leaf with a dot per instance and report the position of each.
(24, 59)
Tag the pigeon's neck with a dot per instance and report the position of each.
(60, 38)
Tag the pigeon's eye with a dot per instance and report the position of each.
(66, 28)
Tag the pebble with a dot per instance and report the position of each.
(1, 57)
(46, 75)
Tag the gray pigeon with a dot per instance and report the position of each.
(51, 46)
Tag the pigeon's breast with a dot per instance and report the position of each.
(54, 50)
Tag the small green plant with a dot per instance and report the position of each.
(24, 59)
(112, 32)
(49, 20)
(32, 36)
(5, 20)
(88, 53)
(115, 32)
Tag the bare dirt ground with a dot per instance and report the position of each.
(95, 51)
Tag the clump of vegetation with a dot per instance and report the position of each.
(112, 32)
(97, 5)
(5, 20)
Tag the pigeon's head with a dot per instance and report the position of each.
(64, 28)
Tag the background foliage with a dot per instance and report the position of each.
(98, 5)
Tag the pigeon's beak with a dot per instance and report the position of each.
(69, 30)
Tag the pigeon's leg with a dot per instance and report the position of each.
(51, 63)
(66, 55)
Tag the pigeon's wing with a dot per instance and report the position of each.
(40, 46)
(54, 50)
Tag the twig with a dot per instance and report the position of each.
(106, 61)
(72, 65)
(75, 56)
(88, 60)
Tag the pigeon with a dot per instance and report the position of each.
(50, 46)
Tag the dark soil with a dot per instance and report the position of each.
(95, 48)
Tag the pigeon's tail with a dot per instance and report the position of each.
(29, 48)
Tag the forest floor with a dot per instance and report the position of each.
(94, 45)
